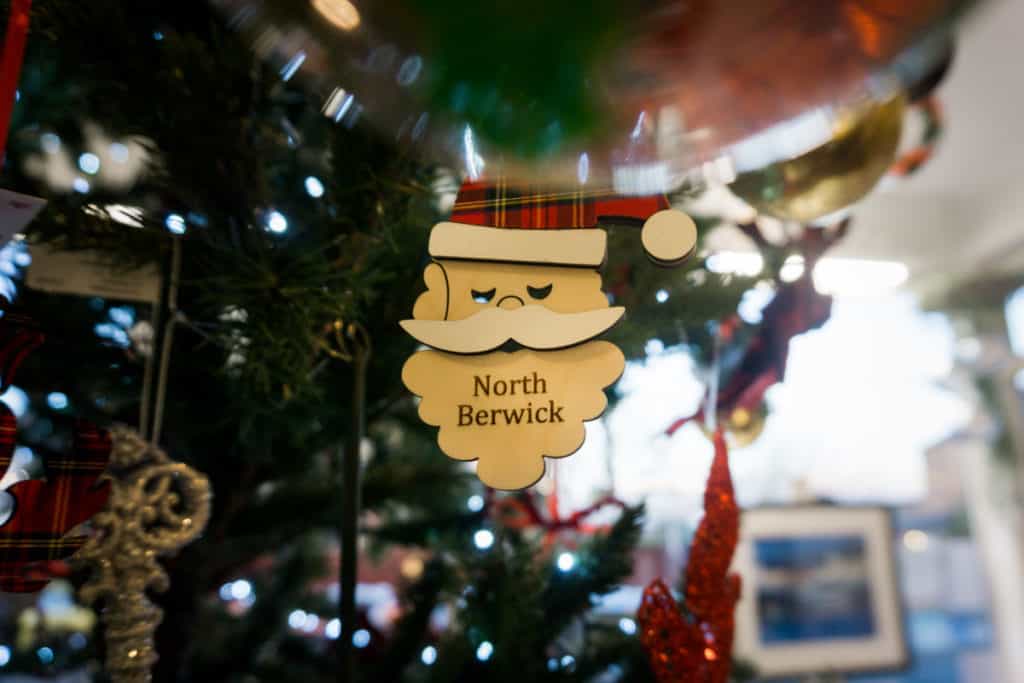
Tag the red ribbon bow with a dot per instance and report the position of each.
(522, 512)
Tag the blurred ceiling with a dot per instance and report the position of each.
(961, 218)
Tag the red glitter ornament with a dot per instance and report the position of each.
(692, 643)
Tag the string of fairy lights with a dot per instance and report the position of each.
(240, 594)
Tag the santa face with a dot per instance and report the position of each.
(512, 307)
(477, 306)
(460, 289)
(511, 410)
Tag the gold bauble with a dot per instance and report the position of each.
(743, 426)
(412, 567)
(836, 174)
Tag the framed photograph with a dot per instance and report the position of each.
(820, 591)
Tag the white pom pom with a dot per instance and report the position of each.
(669, 237)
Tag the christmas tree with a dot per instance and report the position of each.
(159, 137)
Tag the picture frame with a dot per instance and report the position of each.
(820, 591)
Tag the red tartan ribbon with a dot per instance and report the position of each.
(19, 336)
(796, 308)
(44, 511)
(10, 64)
(33, 541)
(498, 204)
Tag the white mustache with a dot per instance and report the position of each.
(534, 327)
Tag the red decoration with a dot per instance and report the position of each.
(693, 644)
(797, 308)
(522, 512)
(10, 64)
(911, 161)
(33, 541)
(45, 511)
(500, 204)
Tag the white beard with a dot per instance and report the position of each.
(534, 327)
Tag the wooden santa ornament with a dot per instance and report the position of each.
(511, 312)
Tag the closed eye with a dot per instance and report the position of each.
(482, 297)
(539, 292)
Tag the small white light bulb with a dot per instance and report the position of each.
(175, 223)
(314, 187)
(333, 629)
(483, 539)
(566, 561)
(57, 400)
(276, 222)
(361, 638)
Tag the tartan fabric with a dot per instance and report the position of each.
(33, 538)
(797, 308)
(498, 204)
(44, 511)
(19, 336)
(8, 428)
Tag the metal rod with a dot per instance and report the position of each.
(145, 404)
(351, 469)
(166, 342)
(158, 344)
(714, 376)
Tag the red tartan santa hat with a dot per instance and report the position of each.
(496, 221)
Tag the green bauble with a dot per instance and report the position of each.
(607, 92)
